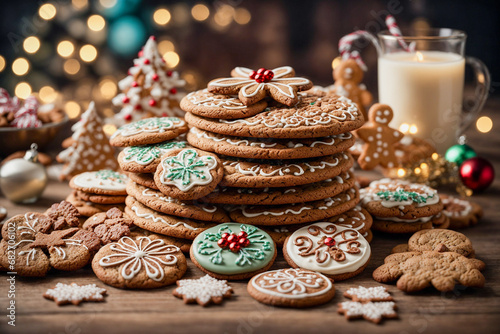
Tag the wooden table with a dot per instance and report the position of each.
(157, 311)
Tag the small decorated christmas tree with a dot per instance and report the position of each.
(150, 89)
(90, 149)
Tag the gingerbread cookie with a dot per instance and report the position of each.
(204, 291)
(206, 104)
(148, 131)
(139, 264)
(370, 311)
(461, 212)
(253, 86)
(371, 294)
(103, 182)
(88, 209)
(335, 251)
(287, 195)
(291, 288)
(144, 179)
(183, 244)
(379, 139)
(410, 150)
(188, 174)
(109, 226)
(296, 213)
(356, 218)
(145, 159)
(267, 148)
(161, 223)
(73, 293)
(100, 199)
(172, 206)
(233, 251)
(415, 271)
(278, 173)
(398, 225)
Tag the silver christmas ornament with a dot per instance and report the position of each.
(23, 180)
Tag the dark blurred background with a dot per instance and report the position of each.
(72, 52)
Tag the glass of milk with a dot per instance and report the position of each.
(422, 78)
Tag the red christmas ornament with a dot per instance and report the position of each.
(155, 77)
(234, 247)
(477, 173)
(242, 234)
(125, 99)
(169, 73)
(146, 61)
(173, 90)
(135, 84)
(329, 241)
(232, 238)
(223, 243)
(152, 103)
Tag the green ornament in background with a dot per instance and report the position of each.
(459, 153)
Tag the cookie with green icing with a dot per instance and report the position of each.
(233, 251)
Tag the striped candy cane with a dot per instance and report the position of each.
(393, 27)
(345, 44)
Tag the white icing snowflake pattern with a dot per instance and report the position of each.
(206, 99)
(370, 311)
(362, 294)
(138, 253)
(203, 290)
(74, 293)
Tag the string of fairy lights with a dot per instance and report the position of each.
(89, 26)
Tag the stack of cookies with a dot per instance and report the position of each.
(284, 150)
(153, 208)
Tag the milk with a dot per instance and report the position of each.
(425, 91)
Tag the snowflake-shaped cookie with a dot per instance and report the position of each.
(373, 312)
(203, 291)
(372, 294)
(75, 294)
(252, 86)
(144, 155)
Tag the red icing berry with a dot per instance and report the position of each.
(262, 75)
(244, 242)
(169, 73)
(253, 74)
(242, 234)
(137, 107)
(173, 90)
(146, 61)
(125, 99)
(268, 75)
(261, 70)
(225, 235)
(329, 241)
(164, 114)
(152, 103)
(140, 53)
(232, 238)
(127, 117)
(222, 243)
(135, 84)
(234, 247)
(153, 37)
(155, 77)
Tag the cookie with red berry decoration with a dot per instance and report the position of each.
(233, 251)
(188, 174)
(148, 131)
(253, 86)
(379, 139)
(206, 104)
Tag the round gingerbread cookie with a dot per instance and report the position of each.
(268, 148)
(233, 251)
(183, 244)
(315, 115)
(291, 287)
(88, 209)
(287, 195)
(295, 213)
(145, 159)
(278, 173)
(144, 179)
(357, 218)
(399, 225)
(335, 251)
(161, 223)
(440, 240)
(461, 212)
(148, 131)
(210, 105)
(155, 200)
(400, 199)
(101, 199)
(103, 182)
(368, 235)
(141, 263)
(188, 174)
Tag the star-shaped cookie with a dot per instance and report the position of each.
(75, 294)
(204, 290)
(373, 312)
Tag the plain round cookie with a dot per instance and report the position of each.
(218, 260)
(269, 148)
(346, 255)
(315, 115)
(188, 174)
(148, 131)
(144, 179)
(291, 287)
(441, 240)
(88, 209)
(143, 263)
(103, 182)
(276, 173)
(155, 200)
(287, 195)
(210, 105)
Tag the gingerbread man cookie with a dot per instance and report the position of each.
(348, 76)
(379, 138)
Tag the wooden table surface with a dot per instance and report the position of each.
(465, 310)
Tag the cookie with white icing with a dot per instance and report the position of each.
(162, 223)
(156, 200)
(291, 287)
(400, 225)
(268, 148)
(286, 195)
(335, 251)
(315, 115)
(145, 159)
(188, 174)
(183, 244)
(204, 291)
(461, 212)
(233, 251)
(210, 105)
(103, 182)
(296, 213)
(144, 179)
(148, 131)
(142, 263)
(282, 173)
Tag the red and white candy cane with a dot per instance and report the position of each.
(345, 44)
(393, 27)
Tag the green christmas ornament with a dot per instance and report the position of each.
(459, 153)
